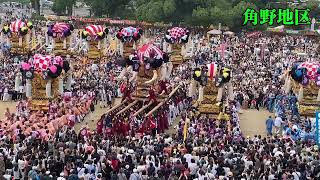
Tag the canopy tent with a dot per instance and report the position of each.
(214, 32)
(288, 31)
(228, 33)
(278, 29)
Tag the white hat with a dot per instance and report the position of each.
(47, 172)
(130, 151)
(135, 170)
(61, 174)
(34, 167)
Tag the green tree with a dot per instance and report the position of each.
(36, 5)
(63, 7)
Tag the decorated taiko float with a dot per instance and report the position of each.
(149, 69)
(176, 39)
(213, 83)
(46, 77)
(128, 37)
(18, 34)
(304, 81)
(59, 36)
(95, 36)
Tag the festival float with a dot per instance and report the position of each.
(129, 38)
(44, 77)
(212, 82)
(304, 81)
(144, 107)
(95, 37)
(59, 36)
(18, 34)
(176, 38)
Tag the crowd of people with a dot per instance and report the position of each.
(38, 145)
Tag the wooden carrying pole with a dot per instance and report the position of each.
(143, 108)
(160, 104)
(128, 107)
(116, 106)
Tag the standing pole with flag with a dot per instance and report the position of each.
(185, 129)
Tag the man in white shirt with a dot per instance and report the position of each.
(278, 124)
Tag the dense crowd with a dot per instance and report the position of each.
(38, 145)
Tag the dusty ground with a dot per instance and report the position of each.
(252, 122)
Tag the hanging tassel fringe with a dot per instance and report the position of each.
(318, 97)
(300, 96)
(48, 88)
(65, 43)
(163, 72)
(288, 85)
(169, 70)
(200, 98)
(192, 88)
(220, 92)
(20, 41)
(99, 44)
(230, 91)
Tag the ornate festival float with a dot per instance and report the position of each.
(128, 38)
(59, 36)
(44, 77)
(304, 81)
(144, 105)
(214, 89)
(18, 35)
(95, 36)
(176, 38)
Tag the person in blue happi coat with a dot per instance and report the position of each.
(269, 124)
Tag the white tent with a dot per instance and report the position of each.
(214, 32)
(229, 33)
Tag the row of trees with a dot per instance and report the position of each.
(193, 12)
